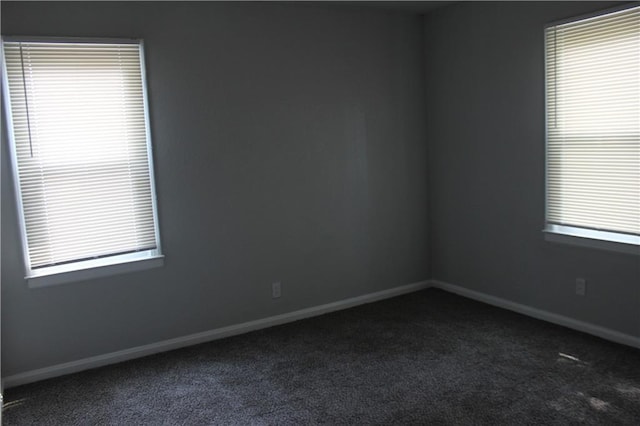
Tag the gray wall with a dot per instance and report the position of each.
(294, 148)
(289, 145)
(485, 132)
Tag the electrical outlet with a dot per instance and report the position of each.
(581, 286)
(276, 290)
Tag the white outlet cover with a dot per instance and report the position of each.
(276, 290)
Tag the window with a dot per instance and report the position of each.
(81, 149)
(593, 131)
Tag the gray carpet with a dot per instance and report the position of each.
(426, 358)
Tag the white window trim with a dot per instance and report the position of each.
(94, 268)
(576, 236)
(591, 238)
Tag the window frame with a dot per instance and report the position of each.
(92, 268)
(574, 235)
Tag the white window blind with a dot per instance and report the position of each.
(81, 147)
(593, 122)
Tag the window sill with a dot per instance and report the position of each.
(96, 268)
(603, 240)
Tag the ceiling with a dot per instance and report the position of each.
(417, 7)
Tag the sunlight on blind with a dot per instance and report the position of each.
(80, 137)
(593, 122)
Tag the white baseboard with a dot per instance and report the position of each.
(219, 333)
(596, 330)
(206, 336)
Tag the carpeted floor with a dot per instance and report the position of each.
(425, 358)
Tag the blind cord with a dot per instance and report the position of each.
(26, 101)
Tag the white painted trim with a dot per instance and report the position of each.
(206, 336)
(233, 330)
(96, 268)
(596, 330)
(591, 238)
